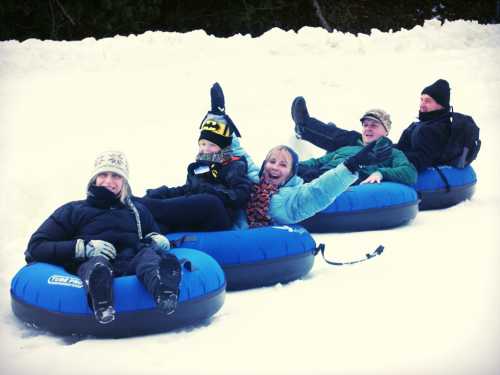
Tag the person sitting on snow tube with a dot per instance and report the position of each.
(279, 196)
(108, 234)
(217, 184)
(439, 137)
(376, 124)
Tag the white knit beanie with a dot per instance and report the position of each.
(111, 161)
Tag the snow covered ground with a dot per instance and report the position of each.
(429, 305)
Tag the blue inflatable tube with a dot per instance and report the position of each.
(367, 207)
(256, 257)
(47, 297)
(445, 186)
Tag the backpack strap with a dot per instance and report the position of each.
(443, 178)
(374, 253)
(470, 144)
(460, 161)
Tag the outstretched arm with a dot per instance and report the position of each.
(304, 200)
(296, 203)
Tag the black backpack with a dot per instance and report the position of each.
(464, 143)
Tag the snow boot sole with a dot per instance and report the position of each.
(100, 286)
(168, 289)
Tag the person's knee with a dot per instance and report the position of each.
(215, 215)
(210, 203)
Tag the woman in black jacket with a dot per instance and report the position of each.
(107, 234)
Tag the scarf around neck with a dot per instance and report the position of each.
(434, 115)
(222, 156)
(100, 197)
(258, 205)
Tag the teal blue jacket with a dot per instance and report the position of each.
(296, 200)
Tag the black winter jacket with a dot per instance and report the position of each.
(228, 181)
(424, 141)
(90, 219)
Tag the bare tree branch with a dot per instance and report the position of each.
(53, 18)
(65, 13)
(322, 19)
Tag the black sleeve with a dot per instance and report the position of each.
(164, 192)
(54, 241)
(427, 148)
(404, 143)
(235, 191)
(309, 173)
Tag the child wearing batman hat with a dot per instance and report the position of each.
(217, 185)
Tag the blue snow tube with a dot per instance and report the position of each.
(367, 207)
(256, 257)
(46, 296)
(445, 186)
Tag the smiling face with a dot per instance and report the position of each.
(207, 147)
(372, 130)
(111, 181)
(277, 167)
(428, 104)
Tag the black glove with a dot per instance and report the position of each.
(373, 153)
(308, 173)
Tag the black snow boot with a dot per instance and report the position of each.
(100, 289)
(167, 290)
(299, 114)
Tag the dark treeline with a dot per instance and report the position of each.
(78, 19)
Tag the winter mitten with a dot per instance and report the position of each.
(94, 248)
(159, 240)
(371, 154)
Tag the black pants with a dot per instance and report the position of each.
(327, 136)
(197, 212)
(144, 263)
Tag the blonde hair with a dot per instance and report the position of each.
(280, 148)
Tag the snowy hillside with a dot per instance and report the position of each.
(429, 305)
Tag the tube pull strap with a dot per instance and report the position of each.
(321, 248)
